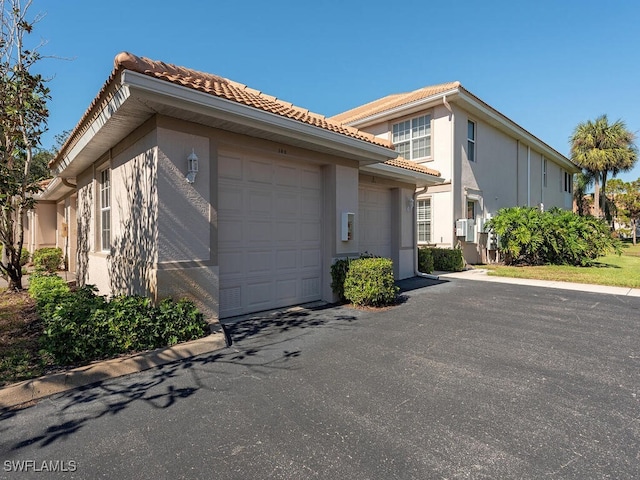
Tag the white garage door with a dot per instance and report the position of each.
(374, 205)
(269, 231)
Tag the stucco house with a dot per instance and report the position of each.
(487, 160)
(182, 183)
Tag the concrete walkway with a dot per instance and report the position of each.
(482, 274)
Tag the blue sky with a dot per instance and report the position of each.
(546, 64)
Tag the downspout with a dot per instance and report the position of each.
(453, 164)
(528, 176)
(415, 238)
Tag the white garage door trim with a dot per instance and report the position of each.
(269, 234)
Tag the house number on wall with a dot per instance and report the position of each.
(282, 151)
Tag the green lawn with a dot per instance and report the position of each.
(613, 270)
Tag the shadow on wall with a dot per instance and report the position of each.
(85, 201)
(134, 245)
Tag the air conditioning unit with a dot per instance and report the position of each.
(461, 227)
(471, 231)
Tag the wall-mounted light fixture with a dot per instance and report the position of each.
(410, 203)
(192, 166)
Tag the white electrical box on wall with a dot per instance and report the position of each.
(346, 232)
(461, 227)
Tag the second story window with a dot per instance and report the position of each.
(412, 138)
(471, 141)
(567, 185)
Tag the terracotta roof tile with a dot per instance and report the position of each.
(392, 101)
(213, 85)
(413, 166)
(237, 92)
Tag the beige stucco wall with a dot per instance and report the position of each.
(40, 228)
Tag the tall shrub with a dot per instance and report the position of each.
(531, 237)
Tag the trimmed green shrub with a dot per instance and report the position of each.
(447, 259)
(81, 326)
(370, 282)
(559, 237)
(425, 260)
(47, 259)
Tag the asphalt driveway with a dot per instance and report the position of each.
(464, 379)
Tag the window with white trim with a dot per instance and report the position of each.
(567, 184)
(423, 212)
(412, 138)
(471, 209)
(471, 141)
(105, 210)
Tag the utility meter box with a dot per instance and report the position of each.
(461, 227)
(346, 231)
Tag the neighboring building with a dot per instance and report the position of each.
(181, 183)
(487, 160)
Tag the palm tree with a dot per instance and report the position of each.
(602, 148)
(583, 181)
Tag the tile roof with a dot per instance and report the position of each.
(392, 101)
(237, 92)
(229, 90)
(410, 165)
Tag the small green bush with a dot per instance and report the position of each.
(447, 259)
(47, 259)
(370, 282)
(425, 260)
(48, 291)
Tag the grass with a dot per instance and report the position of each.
(20, 330)
(611, 270)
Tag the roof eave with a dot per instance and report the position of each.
(404, 109)
(404, 175)
(201, 102)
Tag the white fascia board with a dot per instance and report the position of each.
(402, 174)
(404, 109)
(108, 110)
(191, 99)
(519, 132)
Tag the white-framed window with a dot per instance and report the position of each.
(423, 212)
(412, 138)
(105, 210)
(544, 172)
(567, 184)
(471, 141)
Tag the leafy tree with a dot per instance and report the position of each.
(602, 148)
(626, 196)
(23, 116)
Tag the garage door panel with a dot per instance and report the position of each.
(310, 232)
(310, 179)
(286, 290)
(259, 232)
(287, 175)
(287, 260)
(287, 203)
(259, 262)
(310, 288)
(229, 233)
(287, 232)
(260, 294)
(231, 263)
(230, 167)
(260, 202)
(310, 258)
(259, 172)
(230, 202)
